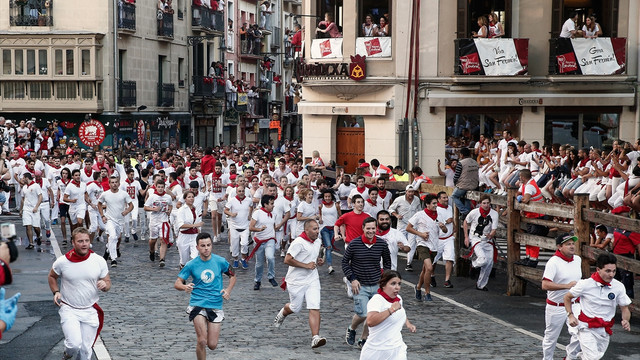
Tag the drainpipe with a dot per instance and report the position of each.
(116, 75)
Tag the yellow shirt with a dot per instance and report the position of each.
(403, 177)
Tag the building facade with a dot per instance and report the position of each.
(531, 82)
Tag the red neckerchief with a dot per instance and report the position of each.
(361, 191)
(432, 214)
(367, 241)
(484, 213)
(290, 198)
(193, 211)
(382, 193)
(371, 202)
(86, 173)
(92, 182)
(387, 297)
(174, 184)
(595, 276)
(65, 182)
(268, 212)
(561, 256)
(193, 177)
(442, 206)
(181, 181)
(304, 236)
(327, 204)
(159, 194)
(272, 168)
(73, 257)
(215, 175)
(240, 199)
(76, 183)
(31, 183)
(39, 182)
(55, 167)
(295, 174)
(584, 162)
(129, 181)
(382, 233)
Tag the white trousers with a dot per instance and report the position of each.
(79, 327)
(143, 223)
(131, 221)
(45, 215)
(96, 221)
(483, 259)
(238, 242)
(114, 231)
(593, 342)
(555, 317)
(187, 247)
(413, 243)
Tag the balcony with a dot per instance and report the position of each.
(22, 13)
(205, 19)
(257, 107)
(206, 86)
(126, 16)
(165, 26)
(581, 56)
(51, 96)
(374, 47)
(127, 94)
(254, 50)
(166, 95)
(491, 57)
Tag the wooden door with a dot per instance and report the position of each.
(349, 148)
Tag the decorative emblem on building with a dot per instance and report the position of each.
(357, 68)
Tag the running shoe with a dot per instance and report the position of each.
(273, 282)
(331, 271)
(277, 322)
(418, 294)
(256, 286)
(433, 281)
(245, 265)
(38, 241)
(118, 252)
(215, 240)
(428, 297)
(135, 237)
(64, 242)
(48, 233)
(126, 239)
(361, 343)
(236, 264)
(161, 262)
(349, 289)
(350, 336)
(114, 263)
(283, 253)
(448, 284)
(408, 268)
(481, 288)
(106, 254)
(152, 256)
(318, 341)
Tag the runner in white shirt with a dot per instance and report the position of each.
(360, 189)
(263, 225)
(86, 174)
(563, 271)
(29, 209)
(599, 296)
(132, 188)
(480, 227)
(305, 210)
(383, 193)
(52, 170)
(216, 199)
(394, 238)
(281, 213)
(238, 211)
(403, 208)
(74, 196)
(159, 205)
(63, 207)
(446, 242)
(344, 189)
(195, 176)
(94, 190)
(47, 203)
(302, 280)
(294, 176)
(118, 204)
(189, 223)
(373, 204)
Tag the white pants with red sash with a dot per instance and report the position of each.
(555, 316)
(482, 258)
(80, 327)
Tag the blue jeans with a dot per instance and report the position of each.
(463, 205)
(327, 235)
(267, 249)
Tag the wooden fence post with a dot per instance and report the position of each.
(581, 229)
(515, 285)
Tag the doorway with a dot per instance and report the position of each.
(349, 142)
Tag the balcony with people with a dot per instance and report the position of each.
(208, 86)
(253, 46)
(206, 18)
(266, 13)
(165, 22)
(126, 16)
(374, 38)
(30, 13)
(328, 41)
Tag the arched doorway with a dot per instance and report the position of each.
(349, 141)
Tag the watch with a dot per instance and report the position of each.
(569, 313)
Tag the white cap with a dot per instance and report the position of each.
(409, 187)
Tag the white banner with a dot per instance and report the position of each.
(373, 46)
(498, 56)
(595, 56)
(326, 48)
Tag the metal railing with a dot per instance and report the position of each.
(127, 93)
(24, 13)
(276, 38)
(126, 16)
(166, 94)
(207, 19)
(208, 86)
(165, 25)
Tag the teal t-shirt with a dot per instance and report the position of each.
(207, 279)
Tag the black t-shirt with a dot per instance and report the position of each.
(143, 186)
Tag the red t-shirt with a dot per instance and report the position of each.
(353, 224)
(207, 165)
(625, 243)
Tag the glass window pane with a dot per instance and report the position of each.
(19, 63)
(59, 62)
(561, 129)
(43, 62)
(31, 62)
(6, 62)
(599, 129)
(69, 57)
(86, 62)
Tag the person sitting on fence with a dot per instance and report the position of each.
(480, 227)
(529, 192)
(466, 179)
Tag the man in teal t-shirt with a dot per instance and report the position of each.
(207, 293)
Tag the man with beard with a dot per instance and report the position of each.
(403, 208)
(394, 238)
(238, 211)
(445, 244)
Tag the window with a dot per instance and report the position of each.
(6, 62)
(59, 62)
(86, 90)
(66, 90)
(31, 62)
(17, 55)
(39, 90)
(470, 10)
(181, 72)
(374, 15)
(43, 62)
(13, 89)
(86, 62)
(334, 9)
(70, 65)
(605, 13)
(596, 128)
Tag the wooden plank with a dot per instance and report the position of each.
(581, 228)
(626, 263)
(515, 285)
(613, 220)
(533, 275)
(499, 200)
(548, 223)
(535, 240)
(434, 189)
(565, 211)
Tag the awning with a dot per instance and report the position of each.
(345, 108)
(467, 99)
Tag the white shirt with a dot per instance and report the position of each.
(373, 209)
(567, 28)
(344, 191)
(405, 209)
(595, 298)
(132, 189)
(242, 208)
(164, 202)
(423, 223)
(479, 233)
(560, 271)
(386, 335)
(76, 192)
(94, 190)
(307, 210)
(393, 238)
(443, 215)
(281, 207)
(84, 177)
(293, 179)
(364, 193)
(116, 203)
(185, 216)
(78, 280)
(263, 218)
(30, 195)
(305, 252)
(46, 185)
(329, 215)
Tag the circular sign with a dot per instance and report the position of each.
(91, 133)
(141, 132)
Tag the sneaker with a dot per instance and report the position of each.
(428, 297)
(331, 271)
(106, 254)
(126, 239)
(350, 336)
(277, 322)
(418, 294)
(273, 282)
(349, 291)
(433, 281)
(245, 265)
(152, 256)
(64, 242)
(48, 242)
(318, 341)
(532, 263)
(157, 254)
(118, 252)
(114, 263)
(54, 222)
(448, 284)
(215, 239)
(481, 288)
(236, 264)
(161, 262)
(361, 343)
(66, 356)
(256, 286)
(38, 241)
(283, 253)
(408, 268)
(135, 237)
(48, 233)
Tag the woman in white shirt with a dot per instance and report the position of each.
(386, 317)
(482, 31)
(189, 222)
(306, 211)
(329, 214)
(591, 29)
(368, 27)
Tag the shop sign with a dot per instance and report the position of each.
(530, 101)
(355, 70)
(91, 133)
(141, 131)
(165, 122)
(124, 125)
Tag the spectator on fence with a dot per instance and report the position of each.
(399, 174)
(627, 244)
(465, 179)
(601, 238)
(529, 193)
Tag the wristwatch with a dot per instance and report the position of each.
(569, 313)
